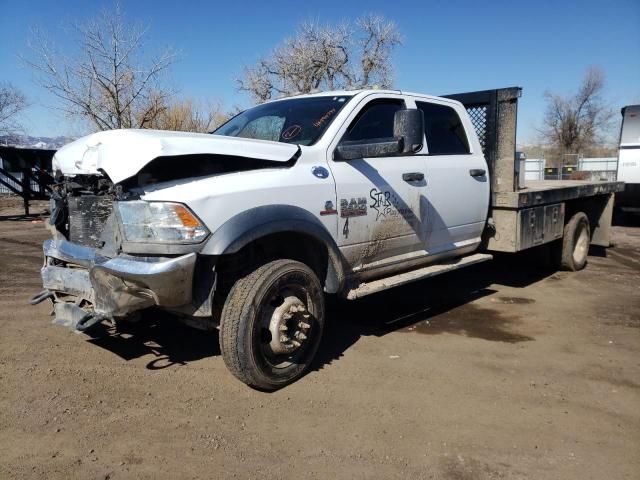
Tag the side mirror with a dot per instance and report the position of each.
(378, 147)
(408, 125)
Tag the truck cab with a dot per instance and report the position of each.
(396, 209)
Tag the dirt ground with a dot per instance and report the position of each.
(495, 372)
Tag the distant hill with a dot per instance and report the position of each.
(26, 141)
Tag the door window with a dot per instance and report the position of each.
(375, 120)
(443, 129)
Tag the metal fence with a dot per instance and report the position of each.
(4, 190)
(590, 169)
(605, 168)
(26, 172)
(534, 168)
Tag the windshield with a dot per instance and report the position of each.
(297, 120)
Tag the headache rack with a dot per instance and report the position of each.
(526, 216)
(494, 115)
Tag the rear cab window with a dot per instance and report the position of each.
(443, 129)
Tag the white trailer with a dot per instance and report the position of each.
(629, 160)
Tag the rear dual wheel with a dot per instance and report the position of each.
(575, 243)
(272, 323)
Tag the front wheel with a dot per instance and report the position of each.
(272, 323)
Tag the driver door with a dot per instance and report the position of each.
(383, 212)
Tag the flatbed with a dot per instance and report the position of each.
(543, 192)
(535, 215)
(528, 214)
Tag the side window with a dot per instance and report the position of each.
(443, 129)
(375, 120)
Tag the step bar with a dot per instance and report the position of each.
(414, 275)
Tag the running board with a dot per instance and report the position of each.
(415, 275)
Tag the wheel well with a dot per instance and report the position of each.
(292, 245)
(593, 207)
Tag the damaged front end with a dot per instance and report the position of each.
(87, 288)
(91, 270)
(114, 253)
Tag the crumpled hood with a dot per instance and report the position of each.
(123, 153)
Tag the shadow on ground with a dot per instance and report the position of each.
(432, 307)
(159, 334)
(435, 306)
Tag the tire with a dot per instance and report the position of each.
(575, 243)
(282, 296)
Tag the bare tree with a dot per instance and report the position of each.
(189, 116)
(326, 57)
(12, 102)
(379, 39)
(106, 82)
(577, 122)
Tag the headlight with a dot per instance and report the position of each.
(159, 222)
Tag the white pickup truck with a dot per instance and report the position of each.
(345, 193)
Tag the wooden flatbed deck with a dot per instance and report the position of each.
(543, 192)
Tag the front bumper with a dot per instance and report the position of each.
(119, 285)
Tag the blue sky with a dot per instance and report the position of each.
(449, 46)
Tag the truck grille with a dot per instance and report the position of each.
(87, 217)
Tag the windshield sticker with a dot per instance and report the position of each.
(356, 207)
(292, 132)
(323, 119)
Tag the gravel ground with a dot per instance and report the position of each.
(494, 372)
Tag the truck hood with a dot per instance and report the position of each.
(120, 154)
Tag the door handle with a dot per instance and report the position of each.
(477, 172)
(413, 177)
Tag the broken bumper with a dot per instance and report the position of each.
(119, 285)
